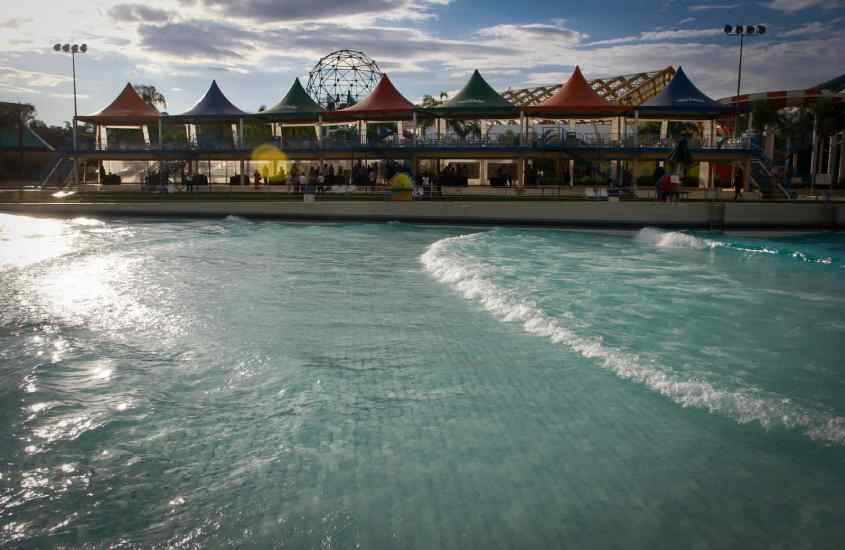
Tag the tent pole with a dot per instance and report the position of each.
(242, 143)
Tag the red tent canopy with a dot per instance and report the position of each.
(383, 100)
(576, 97)
(127, 107)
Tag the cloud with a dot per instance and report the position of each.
(32, 81)
(192, 41)
(709, 7)
(230, 45)
(813, 27)
(655, 36)
(14, 22)
(534, 31)
(138, 13)
(686, 20)
(791, 6)
(267, 11)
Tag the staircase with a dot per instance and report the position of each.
(60, 174)
(761, 175)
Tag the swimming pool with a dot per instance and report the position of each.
(230, 383)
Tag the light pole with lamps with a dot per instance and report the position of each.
(742, 31)
(73, 49)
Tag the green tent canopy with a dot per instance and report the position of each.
(297, 104)
(477, 98)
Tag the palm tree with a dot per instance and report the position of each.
(151, 95)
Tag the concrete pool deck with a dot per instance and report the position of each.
(560, 213)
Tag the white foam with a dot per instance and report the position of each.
(471, 279)
(674, 239)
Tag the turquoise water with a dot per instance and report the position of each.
(227, 383)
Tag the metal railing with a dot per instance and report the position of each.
(550, 141)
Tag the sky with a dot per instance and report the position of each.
(255, 48)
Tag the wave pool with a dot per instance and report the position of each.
(228, 383)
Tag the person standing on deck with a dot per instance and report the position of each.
(738, 179)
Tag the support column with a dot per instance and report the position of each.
(520, 172)
(319, 131)
(414, 119)
(664, 130)
(615, 129)
(831, 159)
(623, 131)
(841, 156)
(637, 129)
(242, 146)
(523, 128)
(769, 145)
(746, 175)
(482, 172)
(160, 151)
(571, 172)
(704, 175)
(814, 156)
(635, 172)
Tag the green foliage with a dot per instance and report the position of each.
(765, 114)
(151, 96)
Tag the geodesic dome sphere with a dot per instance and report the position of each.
(342, 76)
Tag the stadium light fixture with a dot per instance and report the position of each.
(742, 31)
(73, 50)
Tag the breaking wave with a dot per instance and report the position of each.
(473, 278)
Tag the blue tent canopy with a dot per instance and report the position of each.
(213, 105)
(681, 97)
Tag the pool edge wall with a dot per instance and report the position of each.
(751, 215)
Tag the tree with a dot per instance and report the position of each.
(151, 96)
(19, 115)
(765, 114)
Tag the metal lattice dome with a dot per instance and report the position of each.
(342, 78)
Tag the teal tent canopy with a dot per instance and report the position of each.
(477, 98)
(296, 104)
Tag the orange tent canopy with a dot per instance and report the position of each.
(576, 97)
(384, 99)
(127, 107)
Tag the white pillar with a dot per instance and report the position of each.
(831, 159)
(482, 172)
(841, 156)
(704, 175)
(664, 130)
(319, 131)
(414, 120)
(242, 143)
(814, 157)
(523, 127)
(160, 148)
(623, 130)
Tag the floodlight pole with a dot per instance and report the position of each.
(75, 115)
(73, 50)
(741, 31)
(739, 70)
